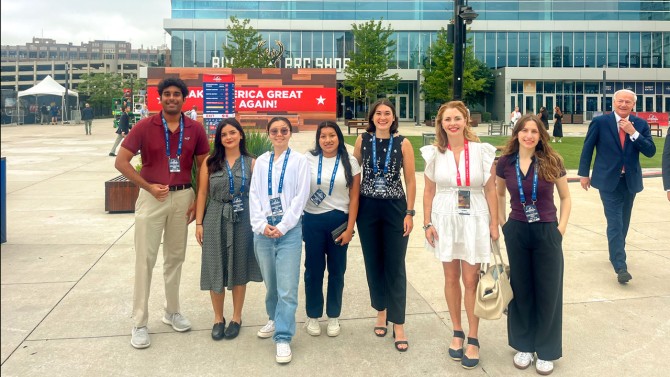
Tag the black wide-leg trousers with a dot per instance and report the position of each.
(535, 319)
(380, 224)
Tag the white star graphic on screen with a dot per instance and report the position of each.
(320, 100)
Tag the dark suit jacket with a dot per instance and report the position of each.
(124, 124)
(603, 135)
(666, 162)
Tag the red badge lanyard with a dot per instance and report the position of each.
(467, 165)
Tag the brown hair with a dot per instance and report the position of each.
(549, 162)
(382, 101)
(441, 140)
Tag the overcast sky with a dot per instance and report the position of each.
(137, 21)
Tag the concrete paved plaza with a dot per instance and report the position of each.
(67, 286)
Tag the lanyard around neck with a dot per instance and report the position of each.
(466, 150)
(332, 179)
(283, 171)
(522, 197)
(167, 136)
(375, 169)
(231, 182)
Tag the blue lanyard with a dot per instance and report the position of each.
(332, 179)
(283, 171)
(167, 136)
(231, 183)
(518, 182)
(375, 169)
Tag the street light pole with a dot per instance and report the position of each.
(65, 100)
(458, 52)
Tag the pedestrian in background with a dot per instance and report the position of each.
(665, 165)
(618, 137)
(54, 114)
(514, 116)
(44, 114)
(335, 188)
(193, 113)
(87, 117)
(460, 217)
(385, 216)
(224, 229)
(530, 170)
(544, 117)
(121, 130)
(558, 125)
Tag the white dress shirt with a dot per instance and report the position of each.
(294, 196)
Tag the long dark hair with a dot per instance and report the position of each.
(550, 163)
(382, 101)
(341, 148)
(217, 160)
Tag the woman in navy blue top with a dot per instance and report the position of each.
(530, 169)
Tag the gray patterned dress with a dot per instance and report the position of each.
(227, 245)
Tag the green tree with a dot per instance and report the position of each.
(101, 89)
(438, 74)
(365, 74)
(246, 47)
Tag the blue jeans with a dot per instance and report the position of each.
(279, 260)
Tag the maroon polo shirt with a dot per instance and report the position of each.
(506, 169)
(148, 136)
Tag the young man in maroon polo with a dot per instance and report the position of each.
(169, 142)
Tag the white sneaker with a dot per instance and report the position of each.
(177, 321)
(313, 327)
(544, 367)
(523, 359)
(559, 140)
(140, 337)
(333, 327)
(267, 331)
(283, 353)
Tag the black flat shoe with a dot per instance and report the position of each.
(233, 330)
(457, 355)
(383, 330)
(623, 276)
(218, 330)
(400, 342)
(467, 362)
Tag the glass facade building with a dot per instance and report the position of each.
(559, 44)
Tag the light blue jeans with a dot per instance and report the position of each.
(279, 260)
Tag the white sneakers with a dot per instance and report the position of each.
(177, 321)
(140, 337)
(267, 331)
(283, 353)
(313, 327)
(333, 327)
(544, 367)
(522, 360)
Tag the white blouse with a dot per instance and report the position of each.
(294, 196)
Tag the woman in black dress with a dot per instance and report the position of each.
(544, 117)
(558, 125)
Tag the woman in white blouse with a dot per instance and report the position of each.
(279, 192)
(333, 204)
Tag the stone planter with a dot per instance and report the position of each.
(120, 195)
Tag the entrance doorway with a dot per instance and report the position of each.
(402, 104)
(648, 103)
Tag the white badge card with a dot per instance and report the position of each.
(275, 206)
(173, 164)
(380, 185)
(463, 202)
(531, 212)
(318, 197)
(238, 204)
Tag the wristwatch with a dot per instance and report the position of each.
(410, 212)
(425, 227)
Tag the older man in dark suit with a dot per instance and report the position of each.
(666, 165)
(619, 137)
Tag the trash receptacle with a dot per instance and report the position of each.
(3, 200)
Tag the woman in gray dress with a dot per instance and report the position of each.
(224, 229)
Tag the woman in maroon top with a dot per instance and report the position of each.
(530, 169)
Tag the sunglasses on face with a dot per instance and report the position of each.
(276, 131)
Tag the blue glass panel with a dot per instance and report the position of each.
(512, 49)
(624, 59)
(634, 50)
(645, 47)
(612, 50)
(534, 49)
(578, 49)
(523, 50)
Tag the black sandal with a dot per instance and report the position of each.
(383, 329)
(400, 342)
(467, 362)
(457, 355)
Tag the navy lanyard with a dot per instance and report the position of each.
(466, 149)
(283, 171)
(231, 183)
(518, 182)
(375, 169)
(332, 179)
(167, 136)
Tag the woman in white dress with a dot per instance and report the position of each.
(460, 208)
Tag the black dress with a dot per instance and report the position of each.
(558, 125)
(544, 117)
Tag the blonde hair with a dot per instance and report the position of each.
(441, 140)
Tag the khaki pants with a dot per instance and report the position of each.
(154, 219)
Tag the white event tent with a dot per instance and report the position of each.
(49, 86)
